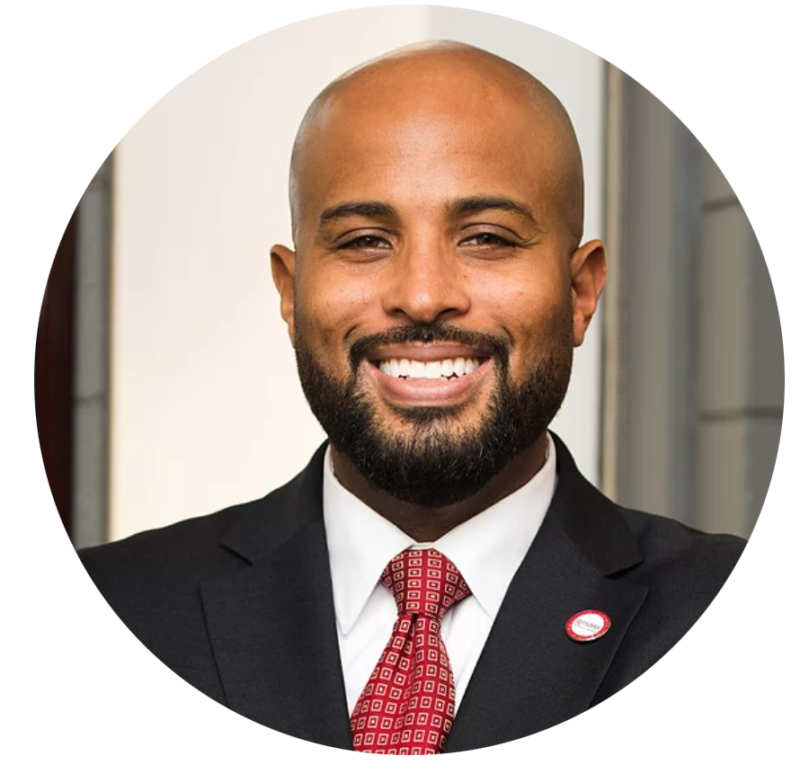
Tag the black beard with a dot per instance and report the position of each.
(439, 462)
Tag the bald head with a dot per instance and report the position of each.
(423, 87)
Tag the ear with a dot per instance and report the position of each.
(588, 276)
(283, 263)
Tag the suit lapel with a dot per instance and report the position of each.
(531, 675)
(272, 625)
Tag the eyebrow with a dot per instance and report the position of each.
(480, 204)
(362, 209)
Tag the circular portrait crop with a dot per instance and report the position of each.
(409, 393)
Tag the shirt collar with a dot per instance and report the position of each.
(487, 549)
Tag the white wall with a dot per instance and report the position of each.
(206, 408)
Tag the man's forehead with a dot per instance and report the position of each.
(423, 137)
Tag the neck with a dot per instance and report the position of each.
(425, 524)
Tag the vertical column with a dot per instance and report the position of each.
(90, 379)
(612, 387)
(656, 299)
(740, 365)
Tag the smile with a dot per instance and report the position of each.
(445, 374)
(411, 369)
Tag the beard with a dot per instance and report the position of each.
(435, 460)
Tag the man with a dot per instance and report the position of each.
(440, 577)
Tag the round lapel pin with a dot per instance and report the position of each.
(588, 625)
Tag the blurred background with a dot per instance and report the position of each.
(165, 381)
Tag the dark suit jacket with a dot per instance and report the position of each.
(240, 605)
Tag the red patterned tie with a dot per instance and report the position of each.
(408, 704)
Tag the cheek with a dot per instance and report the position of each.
(534, 312)
(328, 308)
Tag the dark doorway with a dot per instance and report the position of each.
(53, 373)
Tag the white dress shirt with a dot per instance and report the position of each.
(487, 550)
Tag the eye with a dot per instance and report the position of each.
(486, 239)
(365, 242)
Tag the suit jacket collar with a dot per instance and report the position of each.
(272, 625)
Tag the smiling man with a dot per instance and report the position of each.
(437, 285)
(440, 577)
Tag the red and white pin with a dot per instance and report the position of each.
(588, 625)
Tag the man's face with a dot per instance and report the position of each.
(432, 299)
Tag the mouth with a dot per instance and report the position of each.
(428, 374)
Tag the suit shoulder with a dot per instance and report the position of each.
(177, 543)
(188, 548)
(673, 548)
(682, 570)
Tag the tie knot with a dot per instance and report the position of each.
(424, 582)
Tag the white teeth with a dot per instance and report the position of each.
(432, 370)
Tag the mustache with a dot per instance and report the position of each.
(483, 343)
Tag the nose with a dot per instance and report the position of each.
(428, 285)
